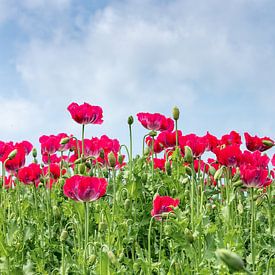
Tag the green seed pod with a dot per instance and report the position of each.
(64, 235)
(176, 113)
(232, 260)
(112, 159)
(188, 154)
(81, 168)
(130, 120)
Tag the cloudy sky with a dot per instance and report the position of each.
(213, 59)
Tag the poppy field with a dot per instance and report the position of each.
(186, 204)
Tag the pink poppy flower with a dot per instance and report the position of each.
(86, 113)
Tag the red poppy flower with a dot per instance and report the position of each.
(49, 144)
(168, 139)
(9, 182)
(255, 159)
(83, 188)
(229, 156)
(86, 113)
(254, 176)
(163, 204)
(273, 160)
(256, 143)
(212, 142)
(30, 174)
(55, 171)
(12, 165)
(233, 138)
(197, 144)
(158, 147)
(159, 163)
(156, 122)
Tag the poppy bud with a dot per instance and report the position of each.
(120, 159)
(218, 174)
(189, 236)
(112, 159)
(168, 167)
(188, 171)
(130, 120)
(188, 154)
(102, 226)
(232, 260)
(88, 164)
(268, 143)
(64, 140)
(34, 152)
(64, 235)
(127, 204)
(240, 208)
(92, 259)
(238, 183)
(12, 154)
(259, 200)
(81, 168)
(101, 154)
(176, 113)
(112, 257)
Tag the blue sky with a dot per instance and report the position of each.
(213, 59)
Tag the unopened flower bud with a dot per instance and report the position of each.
(12, 154)
(64, 140)
(64, 235)
(127, 204)
(218, 174)
(88, 164)
(102, 226)
(240, 208)
(81, 168)
(168, 168)
(189, 236)
(188, 154)
(112, 159)
(176, 113)
(120, 159)
(112, 257)
(34, 152)
(268, 143)
(232, 260)
(130, 120)
(238, 183)
(91, 259)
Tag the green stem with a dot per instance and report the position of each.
(114, 193)
(160, 242)
(131, 149)
(149, 247)
(82, 139)
(63, 260)
(252, 228)
(86, 232)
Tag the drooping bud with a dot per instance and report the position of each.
(64, 140)
(91, 259)
(64, 235)
(112, 257)
(188, 154)
(112, 159)
(34, 152)
(127, 204)
(12, 154)
(238, 183)
(130, 120)
(232, 260)
(218, 174)
(176, 113)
